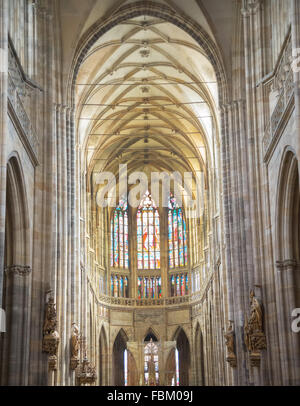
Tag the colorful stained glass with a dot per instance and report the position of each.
(121, 287)
(148, 246)
(140, 288)
(177, 239)
(182, 285)
(126, 287)
(116, 286)
(186, 284)
(159, 288)
(119, 236)
(179, 284)
(172, 286)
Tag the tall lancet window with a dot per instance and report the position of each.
(148, 240)
(176, 235)
(119, 254)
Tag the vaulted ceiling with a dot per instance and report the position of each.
(146, 93)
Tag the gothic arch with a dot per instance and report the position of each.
(103, 358)
(119, 346)
(199, 357)
(184, 352)
(151, 331)
(287, 210)
(16, 287)
(287, 256)
(17, 210)
(170, 368)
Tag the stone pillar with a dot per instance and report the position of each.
(295, 20)
(289, 341)
(16, 343)
(3, 130)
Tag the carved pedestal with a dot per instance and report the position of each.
(50, 335)
(231, 359)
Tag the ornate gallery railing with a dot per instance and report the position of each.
(125, 302)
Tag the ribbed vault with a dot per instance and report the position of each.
(146, 96)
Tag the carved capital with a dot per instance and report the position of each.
(250, 7)
(287, 264)
(19, 270)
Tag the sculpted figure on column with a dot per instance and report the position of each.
(255, 339)
(75, 346)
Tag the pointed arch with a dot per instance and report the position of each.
(16, 287)
(287, 209)
(287, 255)
(184, 353)
(17, 219)
(103, 358)
(199, 356)
(170, 369)
(119, 347)
(150, 332)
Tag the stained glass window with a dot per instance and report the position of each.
(177, 366)
(176, 235)
(148, 235)
(149, 287)
(119, 286)
(119, 255)
(179, 285)
(151, 371)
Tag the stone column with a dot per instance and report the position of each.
(289, 341)
(3, 130)
(295, 20)
(16, 345)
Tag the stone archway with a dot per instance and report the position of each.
(119, 347)
(184, 357)
(199, 357)
(288, 259)
(170, 369)
(16, 288)
(103, 359)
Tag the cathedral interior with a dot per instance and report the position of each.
(153, 293)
